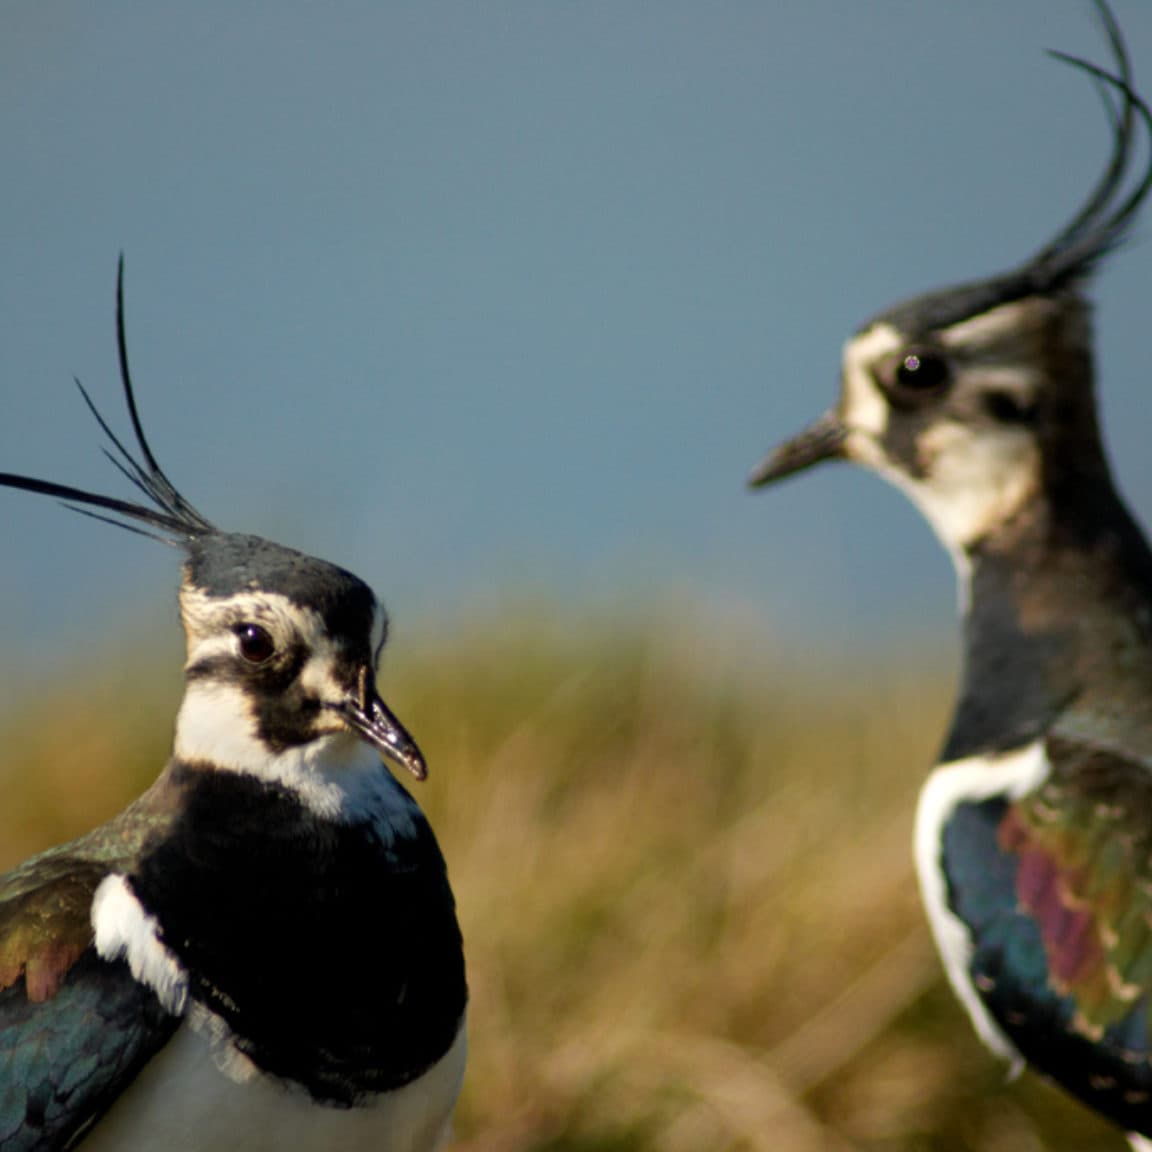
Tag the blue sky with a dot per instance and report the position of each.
(490, 300)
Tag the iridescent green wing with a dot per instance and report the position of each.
(1055, 889)
(74, 1029)
(1084, 843)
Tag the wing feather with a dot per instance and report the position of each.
(1055, 889)
(74, 1029)
(63, 1061)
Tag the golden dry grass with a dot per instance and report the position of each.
(685, 885)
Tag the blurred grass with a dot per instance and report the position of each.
(684, 876)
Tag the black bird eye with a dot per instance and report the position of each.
(256, 645)
(921, 371)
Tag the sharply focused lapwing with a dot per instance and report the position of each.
(262, 951)
(1034, 834)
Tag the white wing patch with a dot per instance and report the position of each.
(125, 931)
(1011, 775)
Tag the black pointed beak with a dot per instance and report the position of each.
(371, 720)
(822, 440)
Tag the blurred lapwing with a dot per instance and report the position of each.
(1034, 834)
(261, 952)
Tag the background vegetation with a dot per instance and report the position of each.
(684, 878)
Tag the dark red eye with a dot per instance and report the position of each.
(256, 645)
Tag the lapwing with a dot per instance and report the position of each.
(1033, 839)
(262, 951)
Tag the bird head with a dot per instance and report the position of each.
(281, 661)
(282, 647)
(977, 398)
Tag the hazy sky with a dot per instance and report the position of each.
(483, 299)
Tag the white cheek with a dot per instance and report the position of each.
(216, 726)
(316, 677)
(975, 483)
(337, 775)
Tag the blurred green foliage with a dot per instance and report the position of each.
(684, 876)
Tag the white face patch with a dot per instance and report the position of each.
(336, 774)
(209, 620)
(864, 408)
(216, 725)
(317, 677)
(209, 623)
(125, 931)
(1012, 775)
(976, 480)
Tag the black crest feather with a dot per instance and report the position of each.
(1099, 226)
(171, 518)
(1103, 219)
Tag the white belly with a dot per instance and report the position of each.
(183, 1102)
